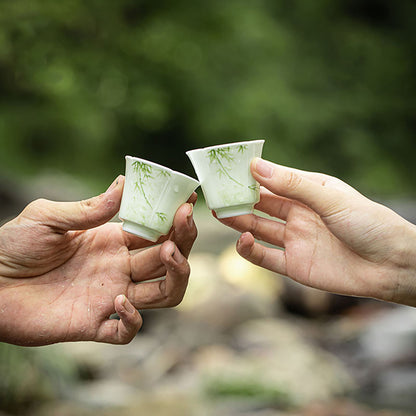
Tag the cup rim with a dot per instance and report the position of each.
(227, 145)
(157, 165)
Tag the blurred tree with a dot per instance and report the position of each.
(330, 85)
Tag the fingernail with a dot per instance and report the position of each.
(114, 184)
(127, 305)
(264, 168)
(189, 216)
(240, 241)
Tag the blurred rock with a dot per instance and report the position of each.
(272, 355)
(387, 349)
(104, 393)
(313, 303)
(390, 336)
(103, 358)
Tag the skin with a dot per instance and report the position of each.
(328, 236)
(64, 270)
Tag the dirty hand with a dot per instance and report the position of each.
(329, 236)
(64, 271)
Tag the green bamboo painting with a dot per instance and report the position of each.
(162, 216)
(145, 172)
(221, 156)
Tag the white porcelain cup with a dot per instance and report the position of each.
(152, 194)
(226, 181)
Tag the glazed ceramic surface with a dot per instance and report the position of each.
(224, 173)
(152, 194)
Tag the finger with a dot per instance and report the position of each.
(263, 229)
(79, 215)
(134, 242)
(274, 205)
(193, 198)
(147, 265)
(120, 331)
(185, 238)
(168, 292)
(270, 258)
(293, 184)
(184, 229)
(323, 179)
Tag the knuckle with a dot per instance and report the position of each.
(258, 257)
(261, 257)
(185, 272)
(127, 337)
(38, 210)
(293, 181)
(193, 234)
(254, 226)
(170, 300)
(36, 205)
(40, 202)
(175, 300)
(124, 340)
(181, 270)
(85, 207)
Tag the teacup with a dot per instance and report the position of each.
(152, 194)
(226, 181)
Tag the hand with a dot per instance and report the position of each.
(63, 273)
(332, 237)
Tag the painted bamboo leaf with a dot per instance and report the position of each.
(224, 154)
(162, 216)
(164, 173)
(144, 172)
(242, 148)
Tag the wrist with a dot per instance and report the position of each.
(404, 259)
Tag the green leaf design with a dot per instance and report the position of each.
(164, 173)
(224, 153)
(143, 169)
(162, 216)
(242, 148)
(221, 153)
(144, 172)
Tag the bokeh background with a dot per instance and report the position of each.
(330, 85)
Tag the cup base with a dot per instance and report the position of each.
(234, 210)
(141, 231)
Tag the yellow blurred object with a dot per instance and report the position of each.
(203, 281)
(247, 276)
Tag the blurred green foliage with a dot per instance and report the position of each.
(247, 389)
(330, 84)
(30, 376)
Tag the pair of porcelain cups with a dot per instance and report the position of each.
(152, 193)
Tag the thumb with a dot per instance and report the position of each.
(79, 215)
(312, 190)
